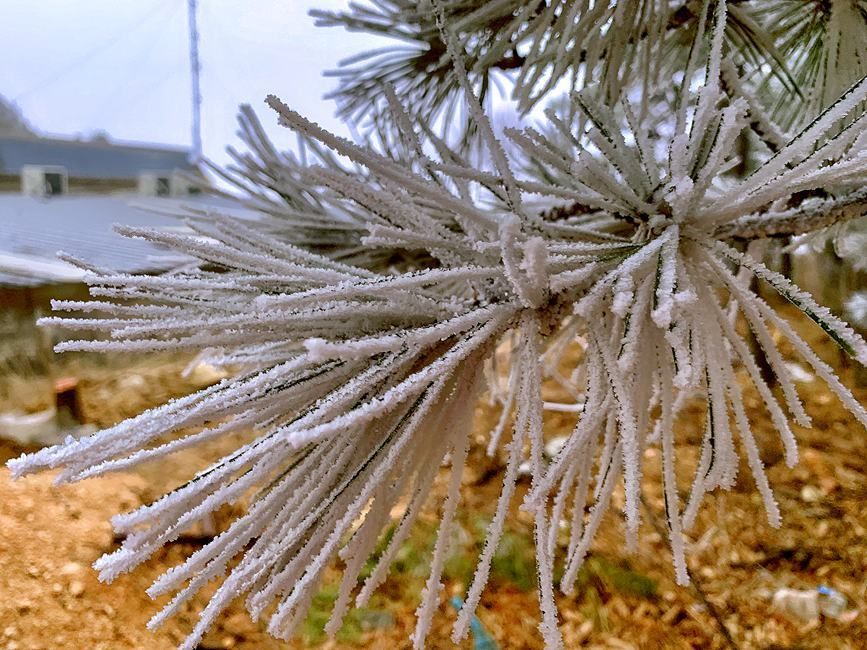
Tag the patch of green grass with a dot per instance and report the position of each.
(515, 561)
(313, 628)
(460, 565)
(411, 561)
(594, 610)
(598, 578)
(381, 545)
(622, 578)
(355, 623)
(598, 573)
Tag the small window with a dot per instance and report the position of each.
(53, 183)
(164, 187)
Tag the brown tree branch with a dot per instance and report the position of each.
(797, 221)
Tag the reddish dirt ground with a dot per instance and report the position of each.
(50, 598)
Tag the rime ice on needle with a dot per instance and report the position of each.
(360, 379)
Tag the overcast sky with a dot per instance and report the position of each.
(122, 66)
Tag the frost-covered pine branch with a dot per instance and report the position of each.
(823, 45)
(359, 377)
(531, 50)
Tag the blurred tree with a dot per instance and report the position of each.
(12, 122)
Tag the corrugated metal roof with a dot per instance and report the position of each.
(89, 158)
(36, 229)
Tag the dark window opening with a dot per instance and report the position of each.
(163, 186)
(53, 183)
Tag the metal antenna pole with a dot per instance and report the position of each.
(194, 70)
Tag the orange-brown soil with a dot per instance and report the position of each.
(49, 536)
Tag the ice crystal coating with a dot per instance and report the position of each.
(361, 314)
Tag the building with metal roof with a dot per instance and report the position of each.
(65, 195)
(96, 158)
(96, 165)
